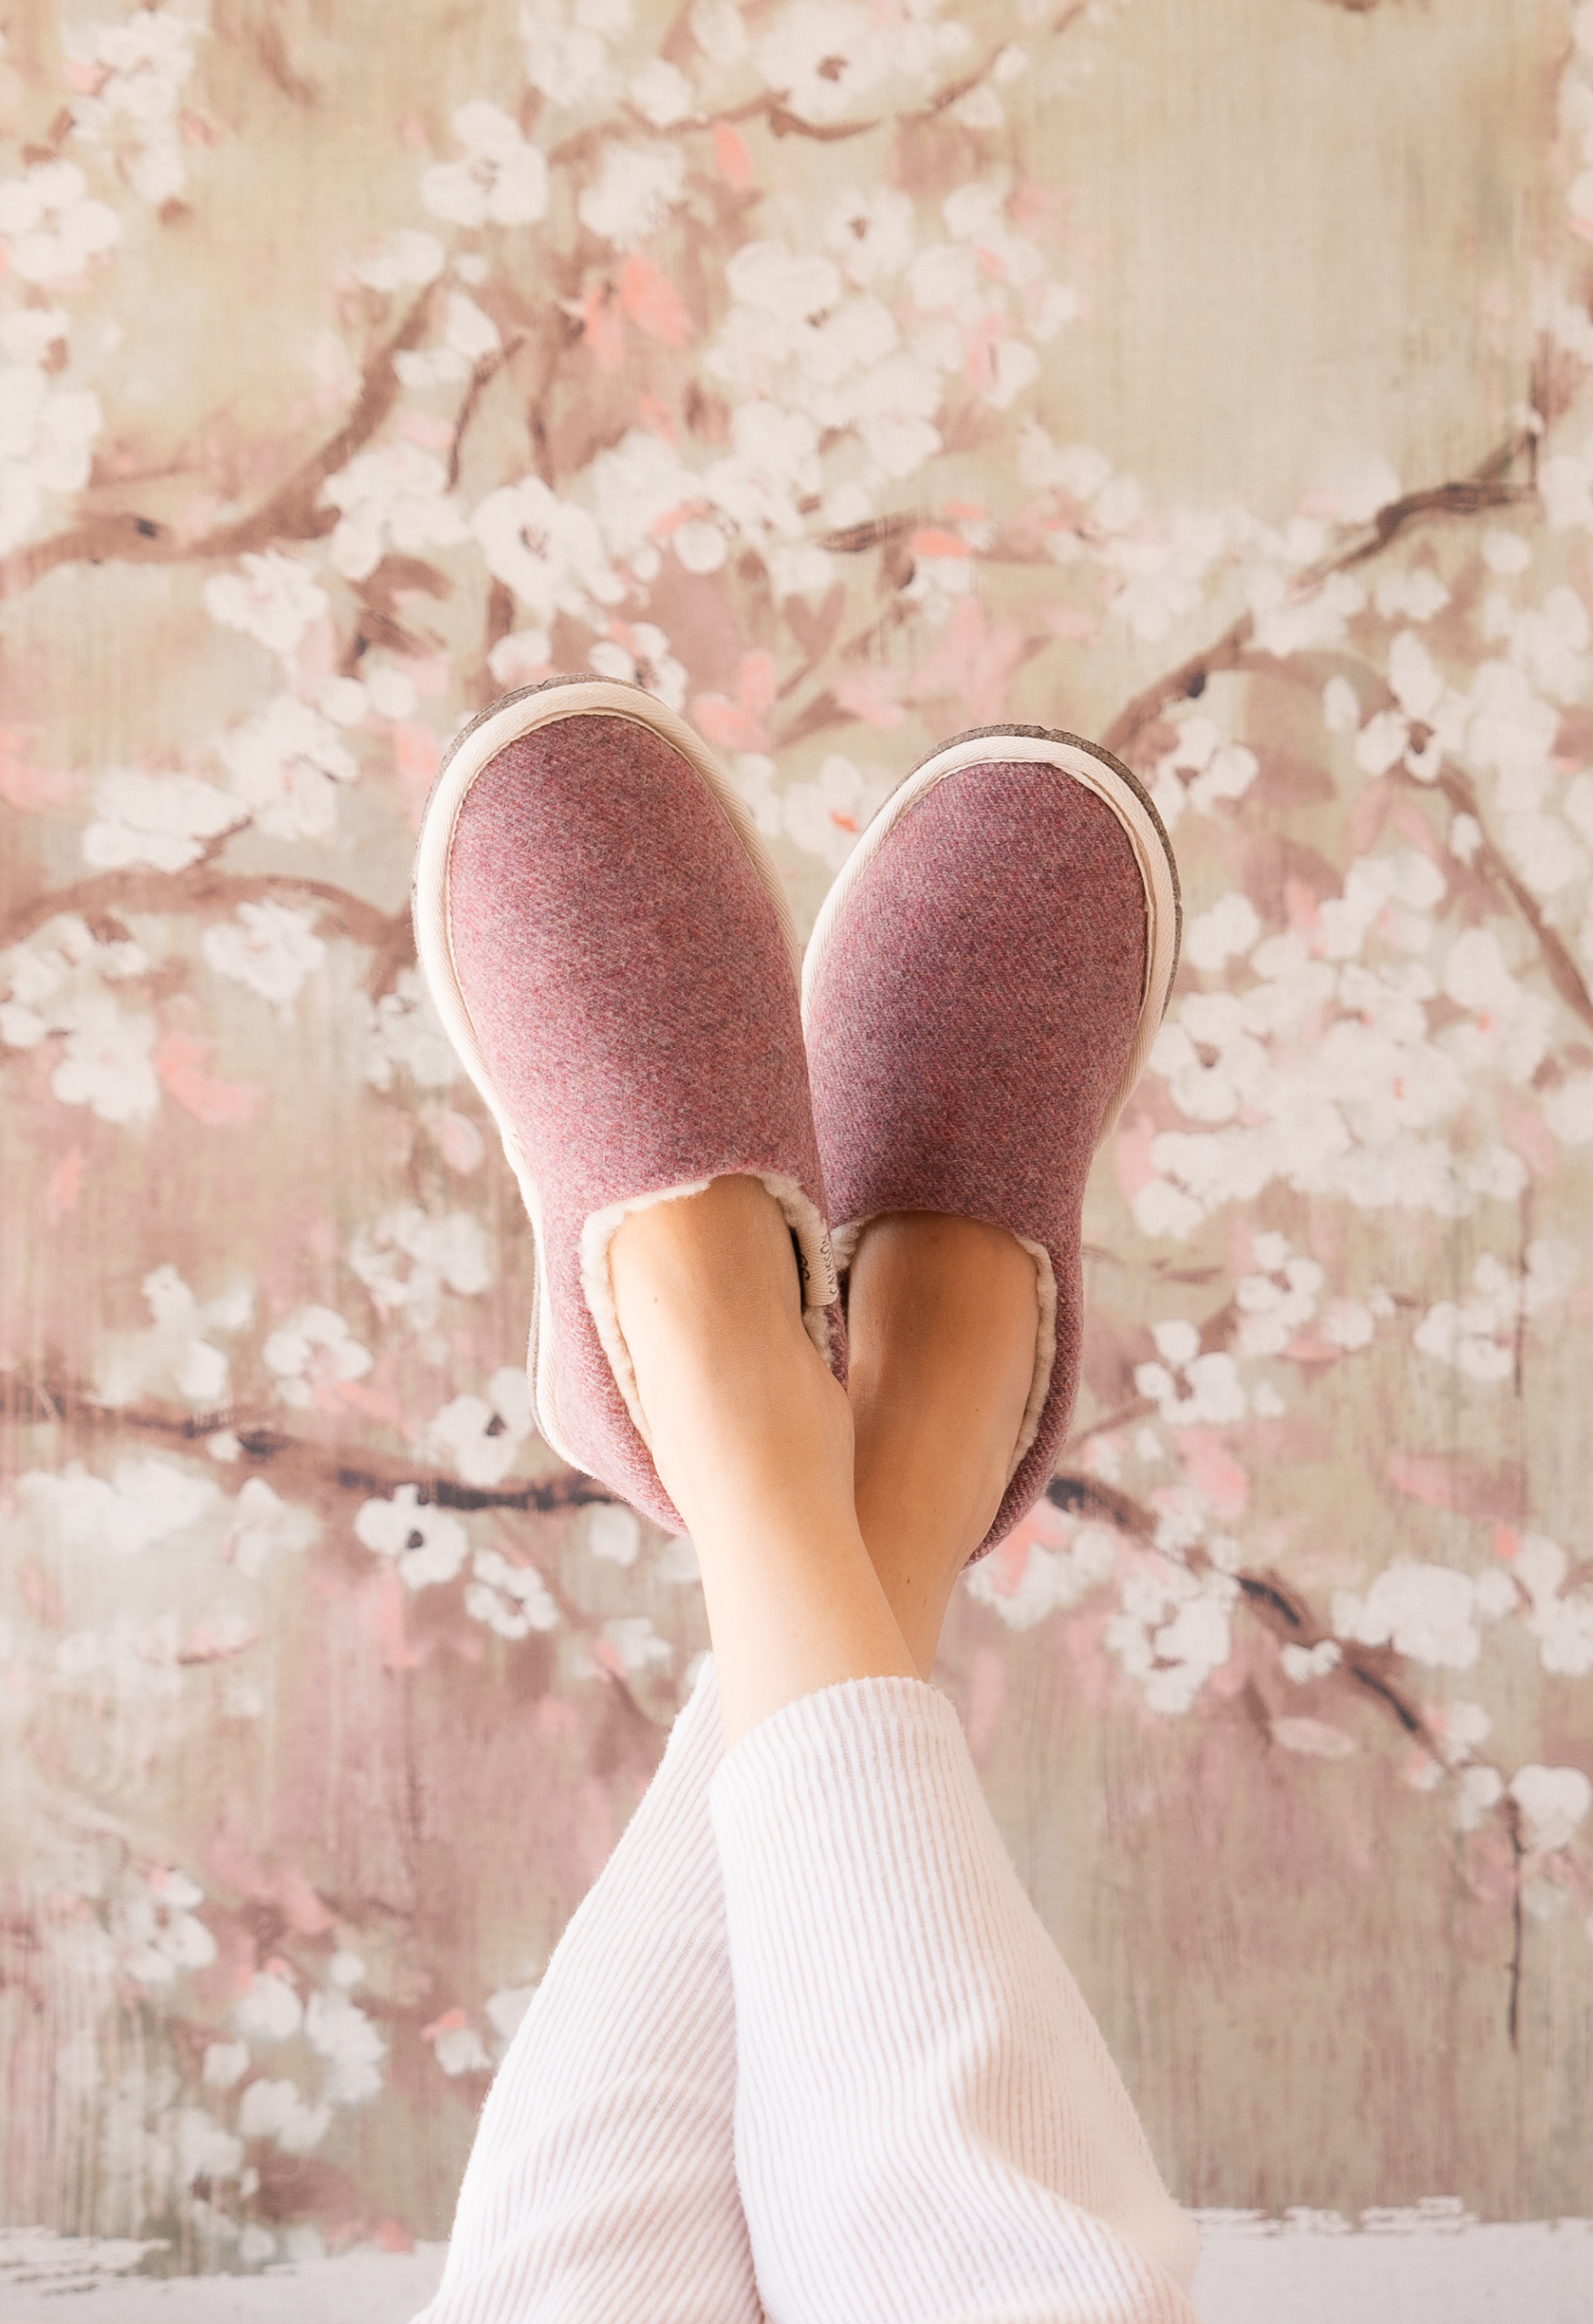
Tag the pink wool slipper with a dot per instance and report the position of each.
(610, 948)
(980, 994)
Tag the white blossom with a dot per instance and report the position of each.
(1549, 642)
(613, 1533)
(1293, 621)
(164, 821)
(425, 1544)
(339, 2030)
(1554, 1801)
(391, 496)
(1304, 1664)
(1225, 933)
(407, 256)
(203, 2148)
(1564, 484)
(268, 2010)
(1221, 770)
(459, 2049)
(470, 337)
(1172, 1630)
(1506, 553)
(826, 817)
(825, 57)
(635, 1646)
(641, 654)
(661, 94)
(571, 63)
(280, 2110)
(105, 1061)
(512, 1600)
(272, 599)
(143, 1502)
(409, 1257)
(51, 226)
(1477, 1336)
(225, 2063)
(157, 1930)
(1340, 707)
(1191, 1388)
(1478, 1792)
(871, 230)
(262, 1525)
(636, 188)
(502, 180)
(283, 765)
(1053, 1580)
(1428, 1612)
(1273, 1307)
(639, 485)
(47, 438)
(139, 70)
(482, 1435)
(507, 2010)
(1325, 1076)
(1414, 591)
(312, 1353)
(179, 1350)
(775, 463)
(407, 1032)
(270, 947)
(1561, 1622)
(549, 551)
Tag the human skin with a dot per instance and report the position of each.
(830, 1524)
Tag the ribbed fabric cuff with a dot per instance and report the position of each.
(928, 2125)
(601, 2189)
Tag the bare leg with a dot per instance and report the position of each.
(753, 1441)
(926, 2120)
(943, 1316)
(831, 1536)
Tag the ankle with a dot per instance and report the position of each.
(692, 1271)
(734, 1394)
(945, 1318)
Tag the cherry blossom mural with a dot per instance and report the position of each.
(789, 359)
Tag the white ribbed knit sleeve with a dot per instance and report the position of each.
(601, 2187)
(928, 2127)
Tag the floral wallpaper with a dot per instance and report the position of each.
(849, 371)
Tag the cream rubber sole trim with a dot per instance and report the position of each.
(468, 756)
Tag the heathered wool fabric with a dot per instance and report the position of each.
(975, 1007)
(637, 1008)
(836, 2048)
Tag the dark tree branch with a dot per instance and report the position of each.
(300, 1461)
(1276, 1606)
(293, 511)
(1469, 496)
(201, 886)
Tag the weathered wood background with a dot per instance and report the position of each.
(1213, 378)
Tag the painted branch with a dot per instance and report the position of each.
(1467, 496)
(293, 511)
(301, 1462)
(121, 894)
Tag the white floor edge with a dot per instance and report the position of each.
(1429, 2265)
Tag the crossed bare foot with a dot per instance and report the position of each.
(829, 1529)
